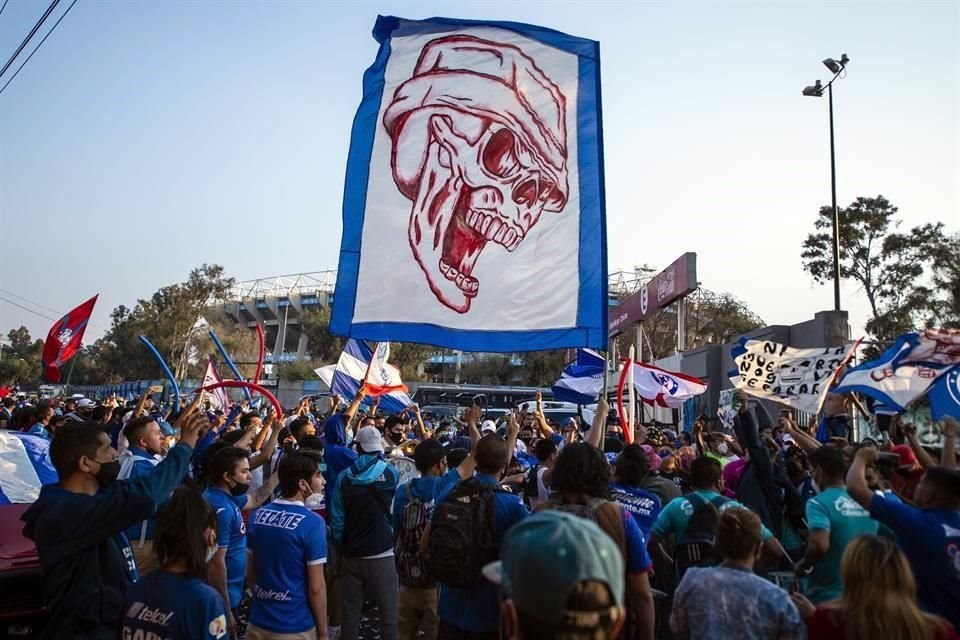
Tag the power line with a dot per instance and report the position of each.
(62, 16)
(4, 6)
(43, 18)
(36, 313)
(28, 301)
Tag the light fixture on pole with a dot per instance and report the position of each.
(836, 67)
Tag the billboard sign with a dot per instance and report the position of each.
(673, 283)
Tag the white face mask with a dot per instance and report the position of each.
(314, 501)
(212, 551)
(722, 448)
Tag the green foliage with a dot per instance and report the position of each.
(299, 370)
(324, 346)
(20, 360)
(894, 269)
(493, 369)
(171, 320)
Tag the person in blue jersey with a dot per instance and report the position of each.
(173, 602)
(286, 553)
(42, 425)
(229, 494)
(362, 530)
(580, 485)
(78, 526)
(418, 603)
(927, 533)
(631, 469)
(144, 451)
(474, 612)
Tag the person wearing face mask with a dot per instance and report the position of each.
(834, 519)
(394, 435)
(174, 602)
(78, 526)
(287, 553)
(144, 452)
(229, 494)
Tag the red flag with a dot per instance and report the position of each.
(64, 339)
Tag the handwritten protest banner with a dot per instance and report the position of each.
(798, 378)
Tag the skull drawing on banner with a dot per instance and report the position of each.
(479, 146)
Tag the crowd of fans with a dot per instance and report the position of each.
(185, 523)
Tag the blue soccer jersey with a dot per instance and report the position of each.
(173, 606)
(285, 538)
(232, 536)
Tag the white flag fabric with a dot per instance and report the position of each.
(217, 399)
(799, 378)
(473, 207)
(664, 388)
(352, 371)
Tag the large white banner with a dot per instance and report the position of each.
(468, 220)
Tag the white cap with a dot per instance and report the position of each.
(369, 439)
(86, 404)
(787, 438)
(488, 425)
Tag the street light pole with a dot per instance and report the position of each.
(836, 212)
(816, 91)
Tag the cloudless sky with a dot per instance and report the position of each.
(146, 138)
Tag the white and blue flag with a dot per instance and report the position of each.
(353, 369)
(582, 380)
(474, 211)
(25, 466)
(906, 370)
(944, 396)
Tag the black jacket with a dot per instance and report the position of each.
(765, 487)
(87, 563)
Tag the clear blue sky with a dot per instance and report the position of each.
(145, 138)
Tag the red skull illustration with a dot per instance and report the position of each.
(479, 146)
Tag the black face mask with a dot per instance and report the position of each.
(397, 438)
(107, 473)
(239, 488)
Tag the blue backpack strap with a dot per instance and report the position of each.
(695, 500)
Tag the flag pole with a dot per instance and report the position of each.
(606, 384)
(66, 385)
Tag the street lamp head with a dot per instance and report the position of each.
(836, 66)
(814, 91)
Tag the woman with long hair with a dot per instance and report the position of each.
(173, 601)
(879, 599)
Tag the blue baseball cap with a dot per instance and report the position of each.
(546, 555)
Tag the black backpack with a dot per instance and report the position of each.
(531, 488)
(411, 563)
(462, 538)
(697, 548)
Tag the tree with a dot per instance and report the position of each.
(542, 368)
(945, 305)
(891, 268)
(21, 356)
(493, 369)
(711, 318)
(324, 346)
(171, 320)
(409, 358)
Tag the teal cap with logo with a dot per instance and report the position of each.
(546, 555)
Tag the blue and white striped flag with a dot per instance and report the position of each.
(352, 372)
(582, 381)
(25, 466)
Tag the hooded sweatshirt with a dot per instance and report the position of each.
(336, 454)
(360, 509)
(85, 556)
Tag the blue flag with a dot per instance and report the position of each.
(944, 396)
(582, 381)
